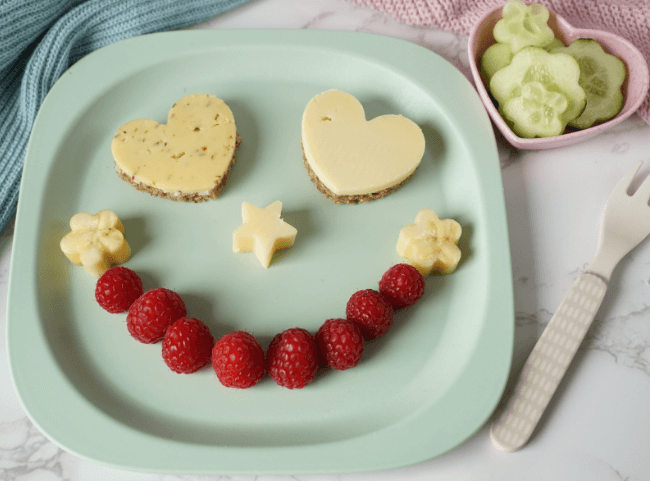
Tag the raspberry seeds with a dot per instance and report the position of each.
(402, 285)
(152, 313)
(292, 358)
(371, 311)
(117, 289)
(187, 345)
(340, 344)
(238, 360)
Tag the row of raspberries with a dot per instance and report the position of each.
(293, 356)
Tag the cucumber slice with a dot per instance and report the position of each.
(557, 73)
(601, 77)
(523, 25)
(494, 59)
(555, 43)
(537, 112)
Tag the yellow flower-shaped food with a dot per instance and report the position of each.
(430, 243)
(96, 242)
(523, 25)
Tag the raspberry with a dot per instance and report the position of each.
(117, 288)
(187, 345)
(238, 360)
(152, 313)
(292, 358)
(371, 311)
(402, 285)
(340, 343)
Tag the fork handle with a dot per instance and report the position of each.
(547, 363)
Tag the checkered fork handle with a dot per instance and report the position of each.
(548, 362)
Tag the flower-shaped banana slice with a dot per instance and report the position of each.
(96, 242)
(430, 243)
(537, 112)
(522, 25)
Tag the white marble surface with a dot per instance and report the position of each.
(598, 424)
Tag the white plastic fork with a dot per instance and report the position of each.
(626, 222)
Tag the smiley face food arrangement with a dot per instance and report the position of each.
(542, 86)
(188, 159)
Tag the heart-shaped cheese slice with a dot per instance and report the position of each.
(191, 153)
(353, 156)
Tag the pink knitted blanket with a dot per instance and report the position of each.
(628, 18)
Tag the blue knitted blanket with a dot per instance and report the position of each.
(40, 39)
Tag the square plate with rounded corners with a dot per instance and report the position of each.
(419, 391)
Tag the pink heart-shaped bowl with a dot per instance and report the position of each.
(635, 86)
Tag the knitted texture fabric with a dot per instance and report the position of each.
(628, 18)
(40, 39)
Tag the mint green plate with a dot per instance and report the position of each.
(418, 392)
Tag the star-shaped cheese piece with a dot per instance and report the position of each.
(96, 242)
(263, 232)
(430, 243)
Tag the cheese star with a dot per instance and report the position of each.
(263, 232)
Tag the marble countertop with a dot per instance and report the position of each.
(597, 427)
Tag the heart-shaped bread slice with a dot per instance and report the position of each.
(351, 159)
(186, 159)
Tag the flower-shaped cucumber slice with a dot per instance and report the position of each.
(601, 77)
(557, 72)
(523, 25)
(536, 113)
